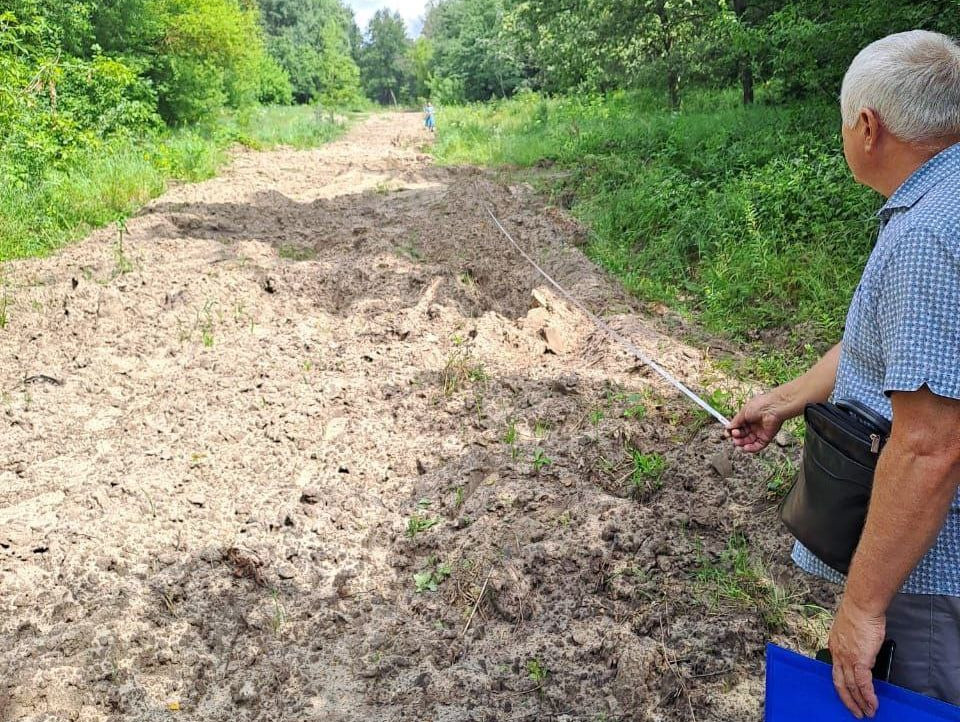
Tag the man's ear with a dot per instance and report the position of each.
(870, 129)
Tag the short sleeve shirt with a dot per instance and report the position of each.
(903, 332)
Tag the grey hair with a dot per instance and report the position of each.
(911, 80)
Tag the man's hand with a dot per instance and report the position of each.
(762, 416)
(757, 422)
(855, 640)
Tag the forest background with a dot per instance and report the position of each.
(697, 139)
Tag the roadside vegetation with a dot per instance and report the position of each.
(110, 181)
(102, 103)
(698, 141)
(743, 218)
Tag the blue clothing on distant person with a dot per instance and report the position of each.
(903, 333)
(428, 121)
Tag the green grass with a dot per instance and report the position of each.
(746, 219)
(296, 253)
(738, 578)
(419, 522)
(646, 472)
(537, 671)
(112, 181)
(299, 126)
(540, 460)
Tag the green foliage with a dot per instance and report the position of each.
(419, 522)
(785, 50)
(420, 63)
(747, 216)
(311, 41)
(606, 44)
(646, 472)
(77, 77)
(383, 59)
(510, 435)
(635, 409)
(469, 51)
(430, 579)
(212, 53)
(275, 87)
(303, 126)
(540, 460)
(740, 579)
(646, 466)
(723, 401)
(808, 46)
(537, 671)
(780, 477)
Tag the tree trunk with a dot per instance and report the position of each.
(673, 74)
(673, 87)
(746, 70)
(746, 79)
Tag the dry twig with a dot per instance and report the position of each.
(475, 606)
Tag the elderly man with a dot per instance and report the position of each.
(900, 355)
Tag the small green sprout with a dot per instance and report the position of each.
(430, 579)
(537, 671)
(540, 460)
(418, 523)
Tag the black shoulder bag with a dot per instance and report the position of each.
(827, 506)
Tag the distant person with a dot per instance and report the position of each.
(899, 356)
(428, 119)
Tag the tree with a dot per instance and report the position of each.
(383, 61)
(420, 56)
(78, 75)
(354, 37)
(810, 44)
(664, 35)
(606, 44)
(211, 56)
(310, 39)
(469, 46)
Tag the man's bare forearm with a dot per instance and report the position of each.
(912, 492)
(814, 386)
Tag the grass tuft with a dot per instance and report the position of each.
(740, 579)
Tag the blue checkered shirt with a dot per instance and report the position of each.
(903, 331)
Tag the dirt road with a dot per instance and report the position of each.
(306, 445)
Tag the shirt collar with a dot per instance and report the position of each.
(943, 165)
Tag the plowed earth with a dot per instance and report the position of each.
(297, 448)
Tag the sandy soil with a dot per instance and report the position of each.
(236, 444)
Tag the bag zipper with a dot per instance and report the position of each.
(874, 443)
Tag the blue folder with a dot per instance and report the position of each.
(800, 689)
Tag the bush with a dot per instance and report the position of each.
(213, 55)
(275, 86)
(108, 96)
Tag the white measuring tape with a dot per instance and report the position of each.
(619, 338)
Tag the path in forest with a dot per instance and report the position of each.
(215, 437)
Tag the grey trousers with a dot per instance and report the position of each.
(926, 629)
